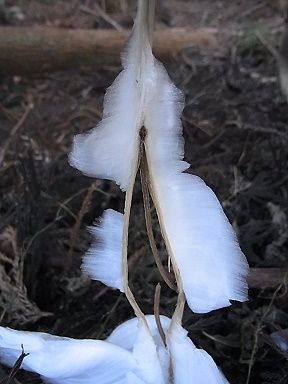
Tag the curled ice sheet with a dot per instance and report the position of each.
(126, 333)
(130, 355)
(110, 150)
(201, 241)
(103, 260)
(190, 364)
(61, 360)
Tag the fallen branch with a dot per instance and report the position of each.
(36, 49)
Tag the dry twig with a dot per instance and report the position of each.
(157, 313)
(259, 327)
(102, 14)
(15, 367)
(5, 146)
(75, 230)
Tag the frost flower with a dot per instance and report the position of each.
(125, 357)
(141, 126)
(141, 129)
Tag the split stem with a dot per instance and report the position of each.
(147, 211)
(125, 278)
(178, 313)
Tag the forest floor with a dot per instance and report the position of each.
(235, 127)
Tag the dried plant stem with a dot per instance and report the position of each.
(260, 325)
(157, 313)
(75, 230)
(147, 211)
(146, 13)
(16, 367)
(178, 313)
(98, 12)
(125, 269)
(5, 146)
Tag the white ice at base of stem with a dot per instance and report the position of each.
(127, 356)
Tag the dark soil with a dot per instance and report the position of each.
(235, 126)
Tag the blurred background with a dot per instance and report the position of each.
(56, 60)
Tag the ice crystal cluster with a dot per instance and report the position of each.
(141, 128)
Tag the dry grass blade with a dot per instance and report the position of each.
(260, 324)
(75, 230)
(15, 367)
(157, 313)
(103, 15)
(147, 210)
(14, 299)
(5, 146)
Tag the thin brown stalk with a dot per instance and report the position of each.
(75, 230)
(15, 367)
(178, 313)
(260, 326)
(101, 13)
(126, 288)
(157, 313)
(147, 211)
(5, 146)
(125, 269)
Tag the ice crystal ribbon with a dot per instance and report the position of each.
(206, 257)
(120, 359)
(141, 125)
